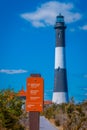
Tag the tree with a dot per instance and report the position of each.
(10, 110)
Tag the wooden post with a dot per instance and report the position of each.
(34, 120)
(34, 99)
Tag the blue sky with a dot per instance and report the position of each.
(27, 43)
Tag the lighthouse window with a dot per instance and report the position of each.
(58, 68)
(58, 35)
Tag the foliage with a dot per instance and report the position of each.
(49, 112)
(70, 116)
(10, 110)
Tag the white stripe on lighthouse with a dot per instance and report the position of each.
(59, 57)
(60, 97)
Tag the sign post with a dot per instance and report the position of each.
(34, 99)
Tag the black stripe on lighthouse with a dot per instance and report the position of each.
(60, 81)
(60, 35)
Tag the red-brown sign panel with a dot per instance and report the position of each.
(35, 94)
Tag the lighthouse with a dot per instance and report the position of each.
(60, 93)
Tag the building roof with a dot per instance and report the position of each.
(22, 93)
(47, 102)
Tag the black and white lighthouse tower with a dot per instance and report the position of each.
(60, 94)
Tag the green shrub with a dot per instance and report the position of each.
(10, 110)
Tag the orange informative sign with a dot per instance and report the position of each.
(35, 94)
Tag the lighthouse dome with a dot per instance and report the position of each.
(60, 18)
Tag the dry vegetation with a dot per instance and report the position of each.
(69, 116)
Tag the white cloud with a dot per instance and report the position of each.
(46, 13)
(85, 75)
(6, 71)
(84, 27)
(84, 88)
